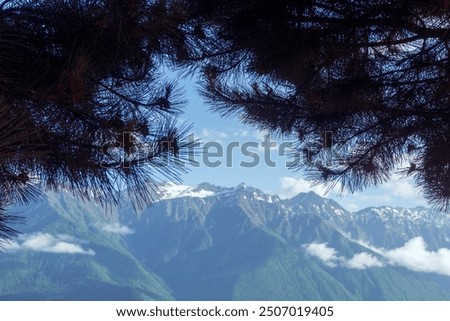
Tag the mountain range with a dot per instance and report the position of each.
(208, 242)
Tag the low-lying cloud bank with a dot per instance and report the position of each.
(117, 228)
(414, 255)
(45, 242)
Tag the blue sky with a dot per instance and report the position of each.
(209, 127)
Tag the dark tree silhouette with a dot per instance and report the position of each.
(82, 105)
(363, 85)
(375, 74)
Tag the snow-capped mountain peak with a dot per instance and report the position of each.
(171, 190)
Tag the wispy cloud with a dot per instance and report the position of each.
(44, 242)
(351, 206)
(362, 261)
(413, 255)
(396, 192)
(259, 135)
(290, 187)
(329, 256)
(403, 188)
(117, 228)
(209, 134)
(242, 133)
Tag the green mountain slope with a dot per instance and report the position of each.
(222, 244)
(107, 271)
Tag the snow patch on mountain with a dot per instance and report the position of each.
(171, 190)
(203, 190)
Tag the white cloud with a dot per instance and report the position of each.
(213, 135)
(395, 188)
(117, 228)
(290, 187)
(351, 206)
(10, 246)
(363, 261)
(324, 253)
(241, 133)
(414, 255)
(64, 247)
(402, 187)
(397, 191)
(44, 242)
(329, 256)
(374, 198)
(260, 135)
(205, 132)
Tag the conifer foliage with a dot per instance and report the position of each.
(363, 86)
(82, 106)
(374, 75)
